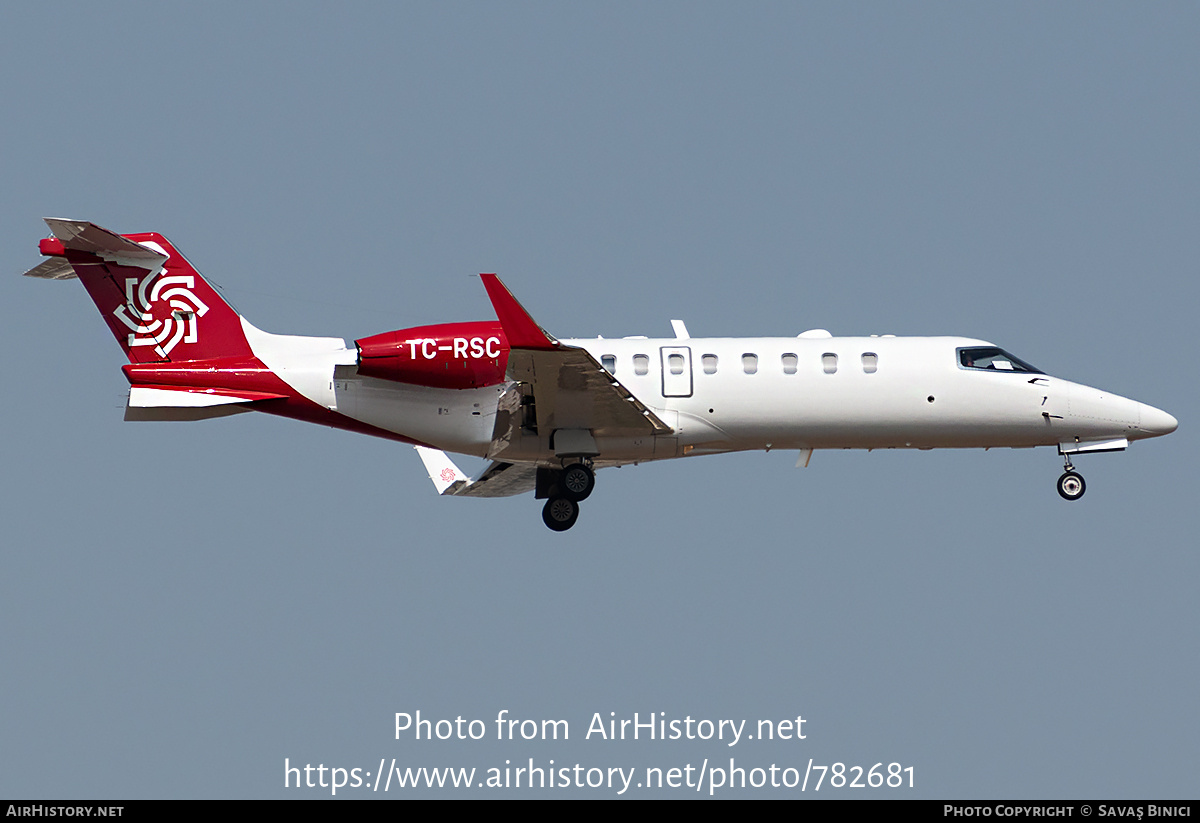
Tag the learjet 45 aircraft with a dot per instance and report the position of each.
(547, 412)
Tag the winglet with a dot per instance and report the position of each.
(447, 478)
(520, 329)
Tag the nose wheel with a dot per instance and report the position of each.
(1070, 484)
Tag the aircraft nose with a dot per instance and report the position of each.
(1156, 422)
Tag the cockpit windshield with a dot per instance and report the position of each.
(993, 359)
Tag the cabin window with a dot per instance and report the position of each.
(675, 363)
(610, 363)
(750, 363)
(710, 363)
(829, 362)
(641, 363)
(790, 361)
(870, 361)
(993, 359)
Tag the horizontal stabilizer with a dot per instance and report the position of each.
(498, 479)
(80, 235)
(181, 403)
(56, 268)
(182, 397)
(154, 302)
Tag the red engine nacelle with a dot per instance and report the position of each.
(446, 356)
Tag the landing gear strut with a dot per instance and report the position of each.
(1070, 485)
(564, 489)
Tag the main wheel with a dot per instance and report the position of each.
(1071, 486)
(577, 481)
(560, 513)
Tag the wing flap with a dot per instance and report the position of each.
(573, 391)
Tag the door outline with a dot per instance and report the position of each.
(676, 385)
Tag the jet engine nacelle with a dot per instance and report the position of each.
(445, 356)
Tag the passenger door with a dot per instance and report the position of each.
(676, 371)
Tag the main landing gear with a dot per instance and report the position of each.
(1070, 485)
(564, 489)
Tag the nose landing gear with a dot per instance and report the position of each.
(1070, 484)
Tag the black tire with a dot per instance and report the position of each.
(577, 482)
(560, 513)
(1071, 486)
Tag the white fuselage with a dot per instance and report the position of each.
(735, 394)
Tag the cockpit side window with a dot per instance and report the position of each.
(993, 359)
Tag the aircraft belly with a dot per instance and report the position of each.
(457, 420)
(532, 448)
(937, 410)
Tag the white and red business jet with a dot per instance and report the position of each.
(548, 412)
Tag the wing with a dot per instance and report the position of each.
(498, 479)
(571, 390)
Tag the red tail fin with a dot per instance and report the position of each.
(157, 306)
